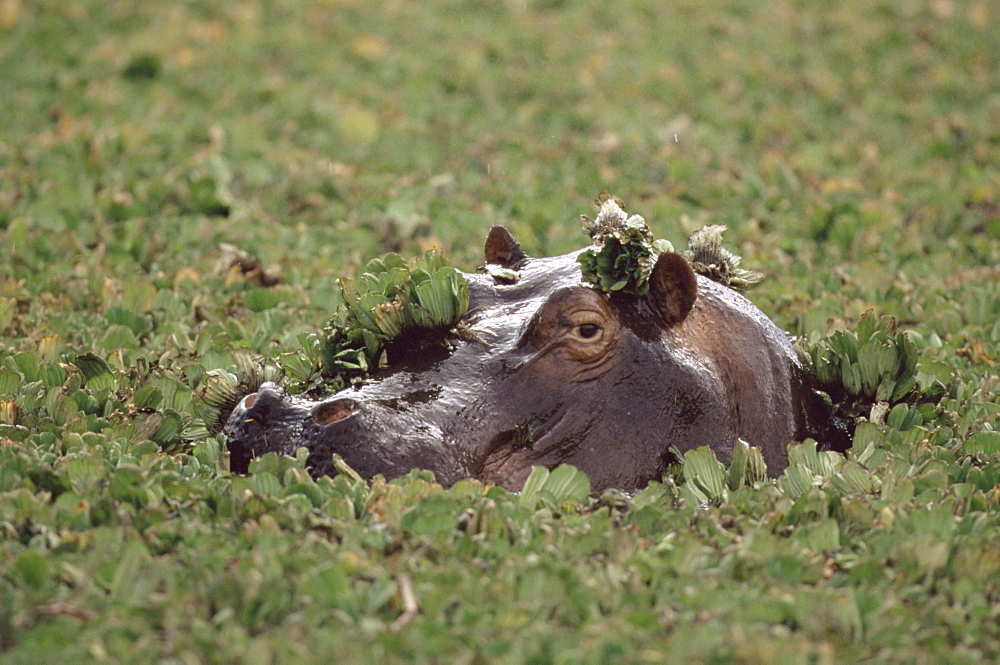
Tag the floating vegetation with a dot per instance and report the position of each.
(624, 250)
(710, 481)
(875, 363)
(391, 298)
(709, 258)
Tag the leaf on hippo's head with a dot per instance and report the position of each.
(610, 218)
(624, 250)
(391, 298)
(709, 258)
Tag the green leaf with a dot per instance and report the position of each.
(852, 478)
(207, 452)
(297, 366)
(796, 481)
(260, 300)
(817, 462)
(706, 472)
(139, 296)
(85, 472)
(885, 390)
(567, 484)
(845, 343)
(737, 474)
(307, 489)
(10, 382)
(851, 378)
(27, 365)
(617, 286)
(393, 297)
(118, 337)
(866, 436)
(61, 407)
(130, 584)
(693, 495)
(33, 568)
(533, 487)
(147, 397)
(170, 428)
(821, 537)
(869, 358)
(902, 418)
(139, 324)
(866, 326)
(903, 388)
(96, 371)
(984, 444)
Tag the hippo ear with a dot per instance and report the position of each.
(673, 288)
(502, 249)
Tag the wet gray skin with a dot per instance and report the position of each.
(557, 372)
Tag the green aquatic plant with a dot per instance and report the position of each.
(874, 363)
(624, 251)
(391, 299)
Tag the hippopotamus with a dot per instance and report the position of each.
(551, 370)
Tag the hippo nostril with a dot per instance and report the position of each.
(331, 412)
(261, 405)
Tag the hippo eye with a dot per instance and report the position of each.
(588, 330)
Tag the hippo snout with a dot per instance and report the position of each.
(270, 420)
(248, 426)
(259, 406)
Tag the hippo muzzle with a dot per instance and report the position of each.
(272, 421)
(373, 435)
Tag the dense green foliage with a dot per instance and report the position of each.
(181, 185)
(874, 363)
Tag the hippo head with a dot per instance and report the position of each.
(545, 370)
